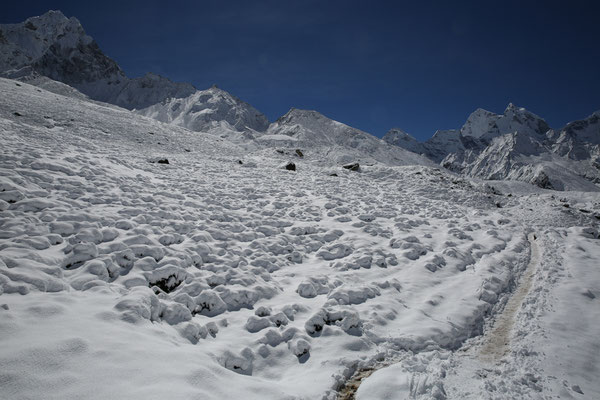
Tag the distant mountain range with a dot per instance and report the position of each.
(54, 52)
(516, 145)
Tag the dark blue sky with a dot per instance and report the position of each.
(374, 65)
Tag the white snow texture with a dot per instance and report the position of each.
(182, 247)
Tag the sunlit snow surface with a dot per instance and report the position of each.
(204, 278)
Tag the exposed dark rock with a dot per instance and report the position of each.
(166, 284)
(163, 161)
(542, 180)
(290, 166)
(493, 190)
(299, 153)
(240, 162)
(17, 114)
(352, 167)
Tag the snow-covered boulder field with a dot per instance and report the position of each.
(141, 260)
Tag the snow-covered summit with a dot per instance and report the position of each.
(486, 125)
(208, 109)
(33, 37)
(57, 47)
(334, 140)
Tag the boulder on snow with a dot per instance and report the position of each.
(290, 166)
(352, 166)
(163, 161)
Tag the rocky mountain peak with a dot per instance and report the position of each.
(480, 123)
(399, 133)
(57, 47)
(50, 17)
(299, 116)
(486, 125)
(53, 23)
(204, 110)
(512, 108)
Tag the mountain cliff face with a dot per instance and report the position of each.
(58, 48)
(442, 143)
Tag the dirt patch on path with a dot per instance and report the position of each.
(348, 392)
(496, 341)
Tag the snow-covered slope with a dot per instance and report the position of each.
(397, 137)
(30, 76)
(124, 276)
(57, 47)
(207, 110)
(334, 141)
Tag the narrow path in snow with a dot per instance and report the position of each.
(496, 341)
(348, 392)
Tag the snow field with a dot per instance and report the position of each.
(206, 278)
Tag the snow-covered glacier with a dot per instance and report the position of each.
(144, 260)
(158, 241)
